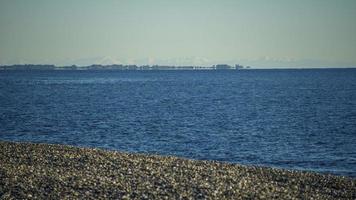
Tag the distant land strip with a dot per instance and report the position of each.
(120, 67)
(45, 171)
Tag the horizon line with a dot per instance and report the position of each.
(152, 67)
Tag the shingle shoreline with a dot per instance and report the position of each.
(63, 172)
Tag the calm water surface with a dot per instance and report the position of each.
(295, 119)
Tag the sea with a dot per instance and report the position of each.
(298, 119)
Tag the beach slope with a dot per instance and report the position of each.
(63, 172)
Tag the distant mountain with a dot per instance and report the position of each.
(108, 60)
(103, 60)
(185, 61)
(268, 62)
(196, 61)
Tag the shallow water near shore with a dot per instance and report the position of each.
(294, 119)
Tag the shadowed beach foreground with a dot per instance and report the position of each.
(56, 171)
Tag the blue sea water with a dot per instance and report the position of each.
(294, 119)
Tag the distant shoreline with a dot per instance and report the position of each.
(40, 67)
(44, 171)
(121, 67)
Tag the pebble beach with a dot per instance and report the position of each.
(45, 171)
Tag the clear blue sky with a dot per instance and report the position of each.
(264, 33)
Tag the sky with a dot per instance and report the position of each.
(274, 33)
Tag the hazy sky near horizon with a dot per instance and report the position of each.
(51, 31)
